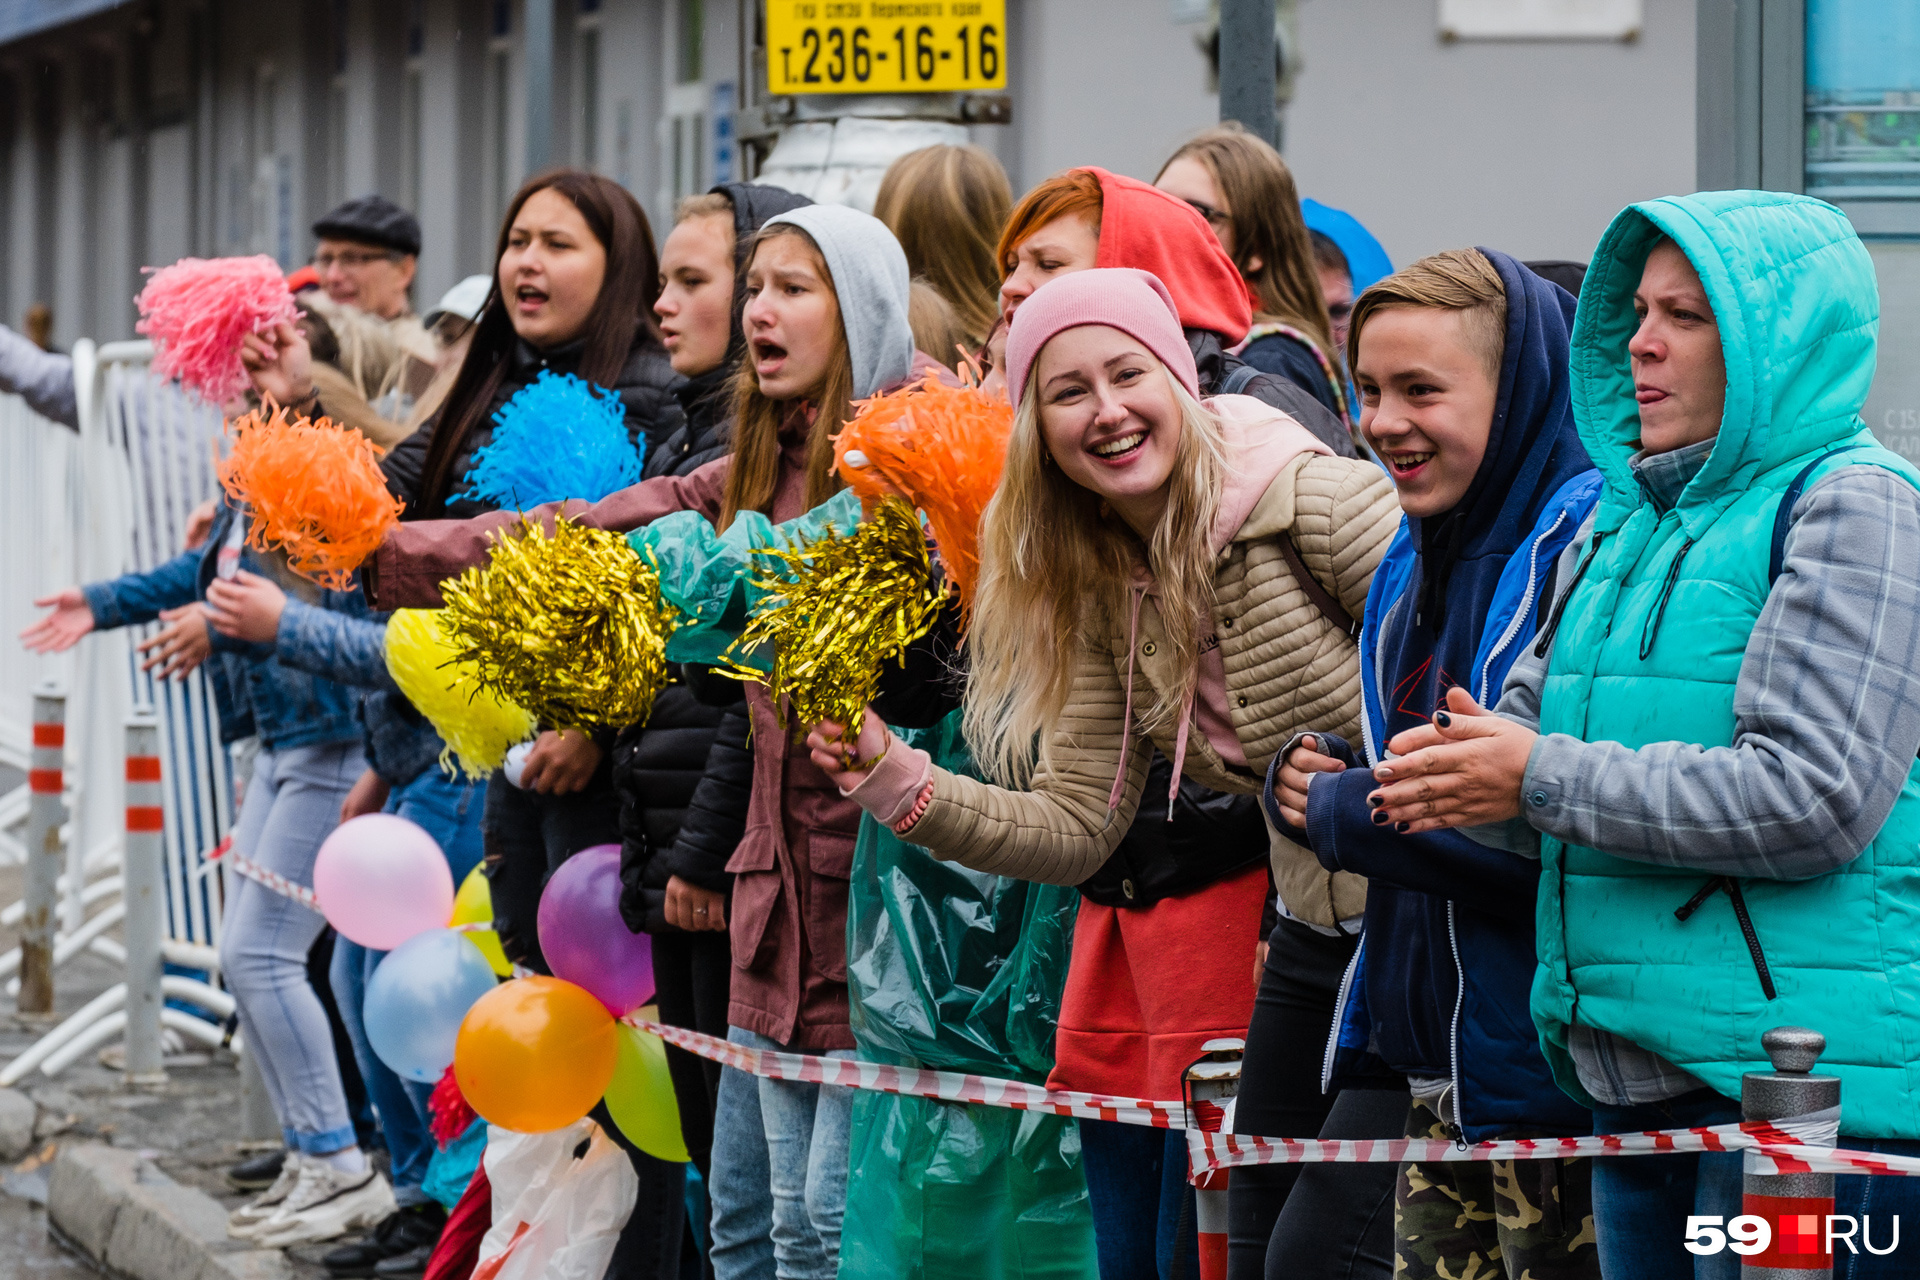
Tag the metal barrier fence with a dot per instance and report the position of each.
(113, 498)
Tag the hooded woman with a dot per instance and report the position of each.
(825, 323)
(675, 844)
(1157, 570)
(1461, 361)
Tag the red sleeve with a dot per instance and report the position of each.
(407, 570)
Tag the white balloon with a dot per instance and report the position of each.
(516, 762)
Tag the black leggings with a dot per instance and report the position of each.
(694, 972)
(1304, 1222)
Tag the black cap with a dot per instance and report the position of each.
(373, 220)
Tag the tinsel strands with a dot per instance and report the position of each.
(570, 625)
(836, 611)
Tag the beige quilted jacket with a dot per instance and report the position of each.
(1288, 669)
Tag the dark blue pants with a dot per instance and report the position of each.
(1641, 1203)
(1136, 1186)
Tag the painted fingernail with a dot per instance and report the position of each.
(1376, 800)
(1442, 719)
(1383, 773)
(1379, 818)
(1401, 827)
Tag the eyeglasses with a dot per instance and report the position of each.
(352, 260)
(1213, 216)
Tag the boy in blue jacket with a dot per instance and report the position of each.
(1461, 364)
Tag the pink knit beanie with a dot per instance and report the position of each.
(1134, 302)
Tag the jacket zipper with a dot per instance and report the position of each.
(1520, 616)
(1455, 1127)
(1752, 935)
(1340, 1014)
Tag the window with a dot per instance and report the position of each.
(1863, 111)
(587, 92)
(692, 61)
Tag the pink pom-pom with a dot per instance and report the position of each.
(197, 311)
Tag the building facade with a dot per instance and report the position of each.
(133, 132)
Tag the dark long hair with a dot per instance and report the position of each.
(622, 312)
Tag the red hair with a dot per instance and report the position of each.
(1074, 191)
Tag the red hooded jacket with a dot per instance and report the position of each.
(1143, 227)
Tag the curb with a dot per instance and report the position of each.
(137, 1223)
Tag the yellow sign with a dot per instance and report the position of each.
(885, 46)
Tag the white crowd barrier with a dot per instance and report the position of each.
(112, 499)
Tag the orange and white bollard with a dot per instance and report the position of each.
(143, 894)
(1210, 1084)
(46, 770)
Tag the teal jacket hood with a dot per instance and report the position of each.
(1793, 294)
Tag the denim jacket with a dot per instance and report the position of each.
(255, 692)
(351, 646)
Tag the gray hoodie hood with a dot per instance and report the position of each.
(870, 277)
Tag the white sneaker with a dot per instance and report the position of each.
(243, 1222)
(326, 1202)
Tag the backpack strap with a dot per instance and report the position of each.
(1322, 599)
(1783, 515)
(1236, 382)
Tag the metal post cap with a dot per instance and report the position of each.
(1793, 1050)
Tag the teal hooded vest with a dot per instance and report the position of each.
(1650, 648)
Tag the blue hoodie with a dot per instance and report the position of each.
(1440, 986)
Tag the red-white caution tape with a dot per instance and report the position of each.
(223, 852)
(1772, 1147)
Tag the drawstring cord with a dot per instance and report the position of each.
(1126, 717)
(1560, 606)
(1651, 630)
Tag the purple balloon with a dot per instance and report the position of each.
(585, 940)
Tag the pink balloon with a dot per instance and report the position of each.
(381, 880)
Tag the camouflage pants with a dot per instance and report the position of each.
(1497, 1220)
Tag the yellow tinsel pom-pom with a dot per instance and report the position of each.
(570, 626)
(476, 725)
(840, 607)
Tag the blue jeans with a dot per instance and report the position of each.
(1136, 1185)
(779, 1186)
(292, 803)
(448, 810)
(1641, 1203)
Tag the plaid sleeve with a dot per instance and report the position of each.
(1827, 713)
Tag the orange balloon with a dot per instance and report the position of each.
(535, 1054)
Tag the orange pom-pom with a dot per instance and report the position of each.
(316, 492)
(943, 448)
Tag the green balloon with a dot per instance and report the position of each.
(640, 1097)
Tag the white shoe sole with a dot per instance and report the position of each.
(362, 1207)
(246, 1228)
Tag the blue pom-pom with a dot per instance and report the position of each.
(559, 437)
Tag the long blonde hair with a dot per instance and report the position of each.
(946, 205)
(754, 477)
(1056, 568)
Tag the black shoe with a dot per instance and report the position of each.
(401, 1234)
(258, 1173)
(411, 1263)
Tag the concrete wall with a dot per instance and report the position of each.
(1526, 146)
(1893, 408)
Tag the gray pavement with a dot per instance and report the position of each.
(189, 1129)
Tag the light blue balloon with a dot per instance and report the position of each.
(417, 998)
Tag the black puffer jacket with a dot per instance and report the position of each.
(646, 385)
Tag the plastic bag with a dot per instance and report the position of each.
(555, 1216)
(706, 575)
(960, 971)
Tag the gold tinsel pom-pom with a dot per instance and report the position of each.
(315, 490)
(840, 607)
(570, 626)
(476, 724)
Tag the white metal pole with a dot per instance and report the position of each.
(143, 893)
(45, 772)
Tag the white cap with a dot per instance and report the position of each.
(464, 299)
